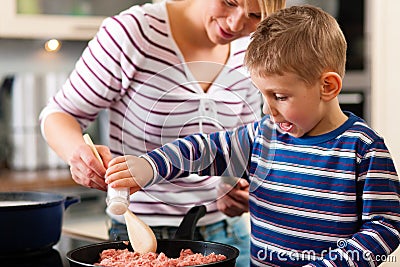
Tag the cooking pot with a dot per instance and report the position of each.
(88, 255)
(31, 221)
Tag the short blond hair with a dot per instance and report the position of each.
(303, 40)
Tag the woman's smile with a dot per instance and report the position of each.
(222, 32)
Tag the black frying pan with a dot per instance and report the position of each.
(88, 255)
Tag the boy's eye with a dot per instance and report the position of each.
(280, 97)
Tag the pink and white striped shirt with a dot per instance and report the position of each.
(133, 68)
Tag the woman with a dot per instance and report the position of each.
(163, 71)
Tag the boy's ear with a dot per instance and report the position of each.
(331, 85)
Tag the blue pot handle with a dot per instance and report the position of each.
(71, 200)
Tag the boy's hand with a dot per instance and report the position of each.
(129, 171)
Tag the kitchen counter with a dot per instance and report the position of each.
(89, 226)
(11, 180)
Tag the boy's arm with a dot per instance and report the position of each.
(378, 197)
(220, 154)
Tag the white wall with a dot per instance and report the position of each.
(385, 72)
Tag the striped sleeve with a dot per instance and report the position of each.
(218, 154)
(103, 73)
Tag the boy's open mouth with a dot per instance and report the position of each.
(285, 126)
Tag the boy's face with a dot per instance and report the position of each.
(295, 106)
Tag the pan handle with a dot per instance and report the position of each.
(188, 225)
(71, 200)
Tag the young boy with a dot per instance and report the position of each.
(323, 187)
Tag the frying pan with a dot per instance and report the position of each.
(88, 255)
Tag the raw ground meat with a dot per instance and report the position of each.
(126, 258)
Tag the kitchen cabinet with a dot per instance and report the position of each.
(61, 19)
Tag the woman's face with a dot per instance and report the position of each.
(227, 20)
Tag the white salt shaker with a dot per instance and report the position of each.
(117, 200)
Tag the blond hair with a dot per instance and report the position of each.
(268, 6)
(303, 40)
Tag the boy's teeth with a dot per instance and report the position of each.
(286, 126)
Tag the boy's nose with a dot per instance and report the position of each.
(270, 110)
(266, 108)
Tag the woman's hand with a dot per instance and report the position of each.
(233, 200)
(64, 135)
(86, 169)
(129, 171)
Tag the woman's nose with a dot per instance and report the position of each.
(236, 21)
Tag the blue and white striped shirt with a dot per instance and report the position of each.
(328, 200)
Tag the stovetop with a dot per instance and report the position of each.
(54, 257)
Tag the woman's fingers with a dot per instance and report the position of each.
(233, 201)
(105, 154)
(87, 178)
(86, 169)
